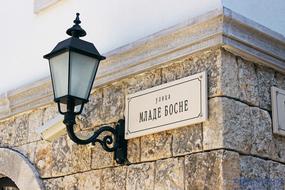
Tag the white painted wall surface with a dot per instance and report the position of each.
(26, 36)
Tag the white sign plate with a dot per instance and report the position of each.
(278, 110)
(168, 106)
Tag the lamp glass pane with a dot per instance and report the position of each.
(59, 74)
(82, 71)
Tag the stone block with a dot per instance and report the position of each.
(156, 146)
(70, 182)
(279, 148)
(230, 170)
(213, 127)
(21, 130)
(81, 157)
(172, 72)
(254, 173)
(237, 130)
(62, 157)
(266, 79)
(113, 102)
(228, 125)
(8, 134)
(280, 79)
(140, 176)
(43, 159)
(203, 171)
(212, 170)
(92, 114)
(114, 178)
(69, 157)
(134, 150)
(53, 183)
(169, 174)
(248, 82)
(187, 140)
(35, 120)
(228, 76)
(100, 157)
(142, 81)
(50, 112)
(89, 180)
(206, 61)
(276, 176)
(263, 144)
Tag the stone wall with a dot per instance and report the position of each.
(234, 149)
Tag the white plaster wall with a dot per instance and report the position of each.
(109, 24)
(26, 36)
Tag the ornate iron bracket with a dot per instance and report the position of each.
(112, 142)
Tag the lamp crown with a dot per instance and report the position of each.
(76, 30)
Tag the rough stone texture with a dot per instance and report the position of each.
(114, 178)
(212, 170)
(187, 140)
(172, 72)
(228, 83)
(206, 61)
(140, 177)
(142, 81)
(183, 158)
(70, 182)
(81, 181)
(7, 131)
(169, 174)
(203, 171)
(228, 126)
(276, 176)
(280, 79)
(113, 103)
(89, 180)
(254, 173)
(262, 144)
(92, 112)
(237, 132)
(61, 156)
(21, 130)
(134, 150)
(52, 184)
(279, 150)
(213, 127)
(50, 112)
(101, 158)
(248, 82)
(35, 120)
(81, 157)
(230, 170)
(266, 79)
(156, 146)
(43, 159)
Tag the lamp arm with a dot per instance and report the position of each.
(111, 143)
(105, 142)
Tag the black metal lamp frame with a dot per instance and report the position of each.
(114, 142)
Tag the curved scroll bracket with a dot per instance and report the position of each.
(113, 141)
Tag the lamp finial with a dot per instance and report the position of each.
(76, 30)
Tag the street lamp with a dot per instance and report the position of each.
(73, 66)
